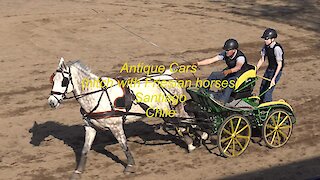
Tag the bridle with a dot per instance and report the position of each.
(65, 83)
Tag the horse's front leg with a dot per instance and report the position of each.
(90, 135)
(118, 132)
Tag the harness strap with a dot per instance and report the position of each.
(100, 115)
(164, 90)
(113, 112)
(82, 95)
(95, 108)
(57, 93)
(108, 114)
(105, 90)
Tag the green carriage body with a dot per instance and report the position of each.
(270, 118)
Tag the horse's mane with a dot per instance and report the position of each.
(80, 66)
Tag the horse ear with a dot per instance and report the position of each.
(62, 65)
(35, 125)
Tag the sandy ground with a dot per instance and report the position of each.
(34, 34)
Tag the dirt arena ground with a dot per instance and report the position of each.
(34, 34)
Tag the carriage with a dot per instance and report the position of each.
(233, 123)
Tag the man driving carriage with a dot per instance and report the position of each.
(236, 62)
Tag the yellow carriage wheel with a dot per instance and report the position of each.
(234, 136)
(277, 129)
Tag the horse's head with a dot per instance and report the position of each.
(48, 130)
(61, 84)
(39, 133)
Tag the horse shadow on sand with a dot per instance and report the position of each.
(74, 135)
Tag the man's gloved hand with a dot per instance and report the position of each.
(227, 71)
(272, 82)
(195, 63)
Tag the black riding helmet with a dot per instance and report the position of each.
(269, 34)
(230, 44)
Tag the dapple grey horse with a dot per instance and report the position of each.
(99, 108)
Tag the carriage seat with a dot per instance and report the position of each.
(245, 83)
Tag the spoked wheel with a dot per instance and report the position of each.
(277, 129)
(234, 136)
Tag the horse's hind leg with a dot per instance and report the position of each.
(186, 138)
(118, 132)
(90, 135)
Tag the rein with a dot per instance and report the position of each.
(86, 94)
(80, 95)
(106, 114)
(104, 89)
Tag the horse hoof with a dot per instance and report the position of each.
(129, 169)
(75, 176)
(191, 147)
(204, 136)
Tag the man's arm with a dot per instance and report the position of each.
(238, 66)
(273, 80)
(260, 62)
(209, 61)
(278, 53)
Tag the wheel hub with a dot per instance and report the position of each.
(233, 135)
